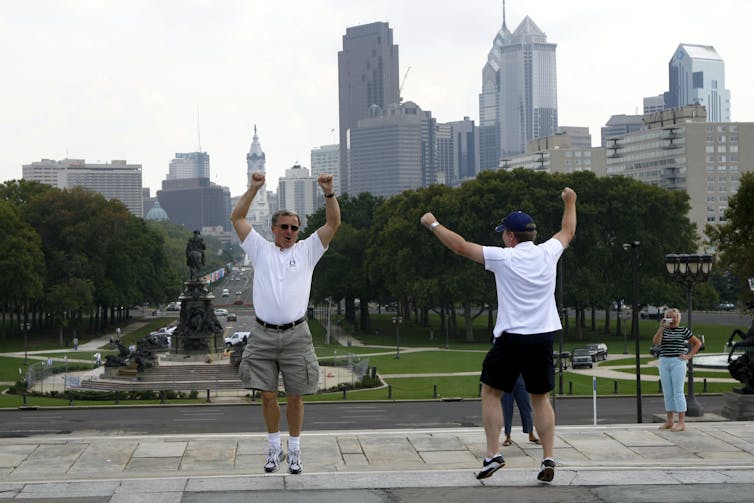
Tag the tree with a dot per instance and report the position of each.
(342, 272)
(21, 262)
(734, 239)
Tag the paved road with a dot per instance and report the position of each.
(126, 420)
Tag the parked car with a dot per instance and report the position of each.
(221, 312)
(651, 312)
(598, 351)
(726, 306)
(237, 338)
(231, 317)
(173, 306)
(581, 357)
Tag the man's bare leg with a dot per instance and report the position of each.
(492, 418)
(544, 422)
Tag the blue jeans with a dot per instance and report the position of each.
(672, 376)
(523, 401)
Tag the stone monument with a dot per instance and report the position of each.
(740, 404)
(199, 333)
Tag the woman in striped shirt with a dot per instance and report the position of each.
(672, 340)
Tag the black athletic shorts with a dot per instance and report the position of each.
(529, 355)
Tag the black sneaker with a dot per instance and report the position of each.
(547, 470)
(490, 467)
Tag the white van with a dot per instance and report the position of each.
(226, 292)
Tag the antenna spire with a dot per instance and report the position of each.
(198, 130)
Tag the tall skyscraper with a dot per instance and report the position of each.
(259, 214)
(457, 151)
(697, 77)
(393, 150)
(489, 101)
(195, 203)
(519, 100)
(299, 192)
(326, 159)
(189, 165)
(367, 75)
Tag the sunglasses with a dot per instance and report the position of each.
(294, 228)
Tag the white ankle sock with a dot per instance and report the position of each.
(274, 439)
(294, 443)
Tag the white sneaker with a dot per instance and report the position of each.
(295, 466)
(274, 458)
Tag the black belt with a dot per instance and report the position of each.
(282, 327)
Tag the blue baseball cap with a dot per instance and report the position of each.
(518, 221)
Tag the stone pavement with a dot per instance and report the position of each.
(710, 461)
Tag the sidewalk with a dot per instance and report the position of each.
(602, 463)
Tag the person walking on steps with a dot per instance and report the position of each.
(527, 321)
(280, 340)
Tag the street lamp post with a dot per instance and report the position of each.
(689, 269)
(25, 327)
(397, 320)
(634, 245)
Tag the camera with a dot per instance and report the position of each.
(667, 321)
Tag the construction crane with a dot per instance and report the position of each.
(403, 81)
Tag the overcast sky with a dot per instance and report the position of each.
(102, 80)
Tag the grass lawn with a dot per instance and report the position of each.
(462, 356)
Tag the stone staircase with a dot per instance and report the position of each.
(176, 377)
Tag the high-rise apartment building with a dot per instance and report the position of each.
(189, 165)
(679, 149)
(367, 75)
(697, 77)
(518, 102)
(393, 150)
(326, 159)
(195, 203)
(298, 191)
(116, 180)
(191, 199)
(457, 151)
(259, 215)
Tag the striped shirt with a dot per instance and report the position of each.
(673, 342)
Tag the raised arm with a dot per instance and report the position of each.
(332, 210)
(238, 215)
(454, 241)
(568, 224)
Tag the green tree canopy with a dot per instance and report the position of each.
(734, 239)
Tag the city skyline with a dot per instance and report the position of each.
(140, 80)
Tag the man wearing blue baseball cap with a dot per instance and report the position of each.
(527, 322)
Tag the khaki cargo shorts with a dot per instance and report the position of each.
(270, 352)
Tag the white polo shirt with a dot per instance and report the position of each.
(282, 278)
(525, 279)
